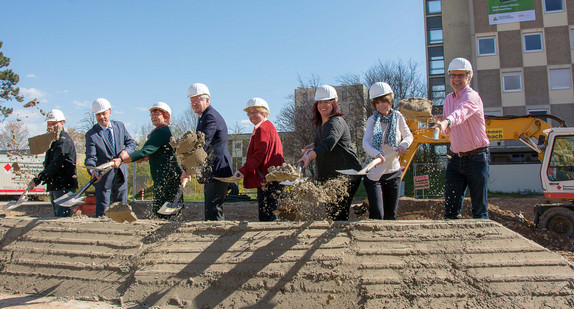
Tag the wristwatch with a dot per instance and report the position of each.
(449, 123)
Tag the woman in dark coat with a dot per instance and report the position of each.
(332, 148)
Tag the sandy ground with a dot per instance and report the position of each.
(418, 261)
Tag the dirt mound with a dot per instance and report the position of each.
(288, 264)
(419, 260)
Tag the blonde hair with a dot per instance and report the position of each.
(261, 109)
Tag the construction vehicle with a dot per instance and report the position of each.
(555, 149)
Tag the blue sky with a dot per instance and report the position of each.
(135, 53)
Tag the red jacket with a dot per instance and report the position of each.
(265, 150)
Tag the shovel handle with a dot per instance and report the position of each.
(91, 182)
(300, 165)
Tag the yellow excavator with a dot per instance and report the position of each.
(555, 149)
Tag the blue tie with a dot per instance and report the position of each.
(110, 136)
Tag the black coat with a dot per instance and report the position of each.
(334, 149)
(59, 165)
(218, 158)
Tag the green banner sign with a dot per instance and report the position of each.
(510, 11)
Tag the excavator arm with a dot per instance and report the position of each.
(529, 129)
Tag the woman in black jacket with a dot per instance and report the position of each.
(332, 148)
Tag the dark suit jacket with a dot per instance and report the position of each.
(99, 150)
(59, 171)
(218, 158)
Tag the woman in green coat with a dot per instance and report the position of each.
(165, 172)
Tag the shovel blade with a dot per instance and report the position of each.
(350, 172)
(168, 209)
(10, 205)
(69, 199)
(294, 182)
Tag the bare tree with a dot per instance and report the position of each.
(79, 138)
(184, 122)
(14, 136)
(294, 120)
(237, 128)
(403, 77)
(88, 121)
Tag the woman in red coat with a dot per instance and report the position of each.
(265, 150)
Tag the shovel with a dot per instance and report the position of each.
(13, 204)
(299, 168)
(229, 179)
(72, 199)
(170, 208)
(296, 181)
(363, 171)
(369, 166)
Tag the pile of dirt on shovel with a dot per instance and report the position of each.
(284, 172)
(417, 109)
(189, 150)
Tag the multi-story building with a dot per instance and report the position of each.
(522, 52)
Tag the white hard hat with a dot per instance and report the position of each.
(55, 115)
(460, 64)
(379, 89)
(325, 92)
(100, 105)
(161, 106)
(197, 89)
(257, 102)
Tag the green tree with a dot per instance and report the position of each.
(8, 90)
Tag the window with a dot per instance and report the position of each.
(512, 82)
(486, 46)
(560, 79)
(437, 90)
(551, 6)
(572, 38)
(237, 149)
(433, 6)
(561, 165)
(532, 42)
(539, 112)
(434, 30)
(436, 60)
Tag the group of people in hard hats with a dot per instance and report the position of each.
(387, 136)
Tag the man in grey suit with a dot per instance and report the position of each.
(104, 142)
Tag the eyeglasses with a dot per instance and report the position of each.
(458, 75)
(155, 114)
(194, 100)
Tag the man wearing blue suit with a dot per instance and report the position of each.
(104, 142)
(218, 162)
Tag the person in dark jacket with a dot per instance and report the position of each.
(265, 150)
(59, 173)
(165, 172)
(332, 148)
(218, 162)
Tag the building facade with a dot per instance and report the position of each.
(520, 67)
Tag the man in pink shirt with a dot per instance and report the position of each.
(463, 121)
